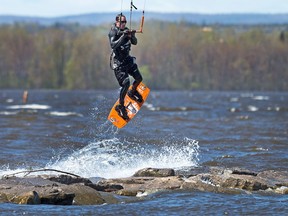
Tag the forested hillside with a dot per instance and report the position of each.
(94, 19)
(169, 55)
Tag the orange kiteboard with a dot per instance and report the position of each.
(131, 105)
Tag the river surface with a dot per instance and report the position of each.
(69, 131)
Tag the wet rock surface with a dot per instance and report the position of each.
(71, 190)
(40, 190)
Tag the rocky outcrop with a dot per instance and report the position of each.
(214, 179)
(41, 190)
(68, 190)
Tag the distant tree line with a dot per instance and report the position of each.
(169, 55)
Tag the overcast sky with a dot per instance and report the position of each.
(52, 8)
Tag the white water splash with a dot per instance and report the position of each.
(114, 159)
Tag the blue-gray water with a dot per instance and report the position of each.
(68, 130)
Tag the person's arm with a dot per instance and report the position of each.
(115, 40)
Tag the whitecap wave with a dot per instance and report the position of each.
(63, 114)
(261, 97)
(276, 108)
(252, 108)
(234, 99)
(9, 100)
(30, 106)
(151, 107)
(7, 113)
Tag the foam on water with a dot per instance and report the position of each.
(252, 108)
(261, 97)
(64, 114)
(30, 106)
(112, 158)
(6, 113)
(151, 107)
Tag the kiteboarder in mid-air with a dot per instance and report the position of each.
(121, 38)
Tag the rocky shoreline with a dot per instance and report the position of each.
(68, 189)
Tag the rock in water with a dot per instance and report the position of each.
(153, 172)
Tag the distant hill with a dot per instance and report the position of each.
(99, 18)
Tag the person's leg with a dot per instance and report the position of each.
(124, 82)
(133, 93)
(135, 73)
(124, 88)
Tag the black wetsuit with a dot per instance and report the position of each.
(121, 62)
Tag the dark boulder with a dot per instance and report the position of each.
(153, 172)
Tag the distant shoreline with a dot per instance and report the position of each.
(195, 18)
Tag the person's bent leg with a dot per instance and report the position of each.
(125, 85)
(137, 77)
(124, 82)
(134, 94)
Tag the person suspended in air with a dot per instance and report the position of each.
(121, 39)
